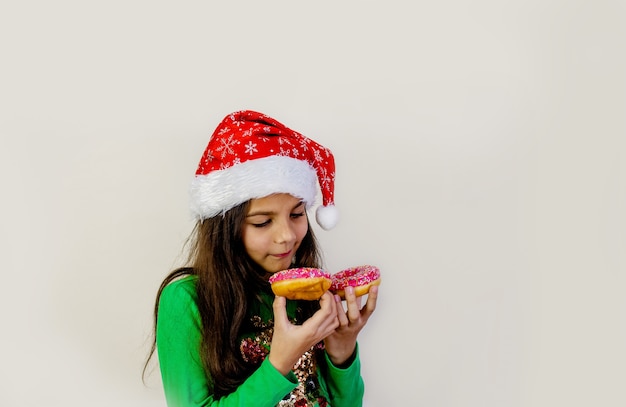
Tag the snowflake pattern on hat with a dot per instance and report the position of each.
(251, 155)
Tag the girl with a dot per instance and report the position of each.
(222, 337)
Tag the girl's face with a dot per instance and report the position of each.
(273, 230)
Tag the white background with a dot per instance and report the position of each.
(480, 152)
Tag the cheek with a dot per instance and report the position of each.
(251, 239)
(302, 230)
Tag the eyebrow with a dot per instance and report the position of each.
(267, 213)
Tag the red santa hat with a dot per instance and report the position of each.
(251, 155)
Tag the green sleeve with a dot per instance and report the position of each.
(184, 380)
(345, 386)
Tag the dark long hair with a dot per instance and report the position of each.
(228, 281)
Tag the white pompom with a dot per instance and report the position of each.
(327, 216)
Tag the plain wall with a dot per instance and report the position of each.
(480, 152)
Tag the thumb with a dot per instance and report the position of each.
(280, 311)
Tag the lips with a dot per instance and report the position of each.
(282, 255)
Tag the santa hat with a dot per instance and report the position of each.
(250, 155)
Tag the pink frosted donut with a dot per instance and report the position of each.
(359, 277)
(304, 283)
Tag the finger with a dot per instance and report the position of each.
(280, 311)
(372, 298)
(354, 309)
(331, 321)
(326, 296)
(327, 303)
(341, 313)
(326, 317)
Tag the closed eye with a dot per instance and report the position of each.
(262, 224)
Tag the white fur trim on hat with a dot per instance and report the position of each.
(219, 191)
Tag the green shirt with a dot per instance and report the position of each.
(315, 381)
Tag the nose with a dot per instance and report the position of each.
(284, 233)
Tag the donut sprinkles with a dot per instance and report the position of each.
(302, 283)
(359, 277)
(302, 272)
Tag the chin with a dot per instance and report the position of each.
(275, 268)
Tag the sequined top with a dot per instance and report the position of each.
(313, 381)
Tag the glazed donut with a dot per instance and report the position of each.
(304, 283)
(359, 277)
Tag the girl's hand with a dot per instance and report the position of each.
(340, 345)
(290, 342)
